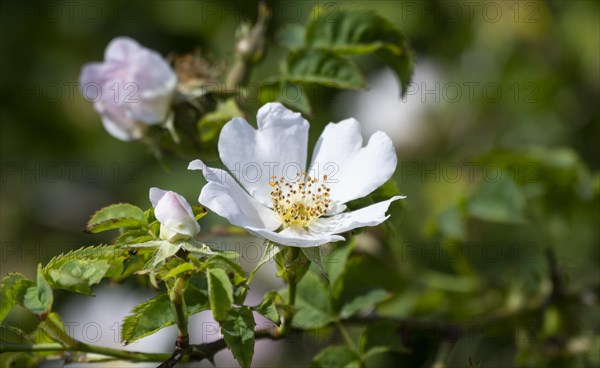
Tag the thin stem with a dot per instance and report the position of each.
(85, 348)
(346, 336)
(176, 296)
(31, 347)
(287, 320)
(249, 50)
(448, 332)
(443, 354)
(292, 256)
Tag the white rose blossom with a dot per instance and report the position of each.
(276, 198)
(177, 221)
(131, 89)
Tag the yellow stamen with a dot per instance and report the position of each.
(299, 202)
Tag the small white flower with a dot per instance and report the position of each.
(279, 201)
(131, 89)
(175, 215)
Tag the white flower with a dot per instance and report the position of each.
(131, 89)
(280, 202)
(175, 215)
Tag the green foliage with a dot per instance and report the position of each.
(220, 293)
(175, 267)
(330, 258)
(79, 274)
(317, 53)
(164, 250)
(39, 298)
(52, 329)
(210, 126)
(381, 337)
(157, 313)
(135, 236)
(335, 256)
(271, 250)
(323, 67)
(12, 291)
(116, 216)
(313, 303)
(363, 283)
(463, 254)
(293, 95)
(268, 306)
(79, 269)
(338, 356)
(238, 331)
(292, 264)
(500, 201)
(352, 31)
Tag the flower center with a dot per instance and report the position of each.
(301, 201)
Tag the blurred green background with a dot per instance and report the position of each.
(497, 146)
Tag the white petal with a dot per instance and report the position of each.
(353, 171)
(175, 215)
(117, 122)
(153, 88)
(368, 216)
(155, 195)
(152, 109)
(292, 238)
(277, 148)
(224, 196)
(91, 80)
(121, 49)
(125, 130)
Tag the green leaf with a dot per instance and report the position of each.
(293, 95)
(498, 201)
(114, 254)
(210, 126)
(53, 329)
(267, 306)
(323, 67)
(313, 303)
(19, 359)
(78, 275)
(199, 211)
(238, 332)
(198, 248)
(14, 335)
(147, 318)
(339, 356)
(79, 269)
(39, 298)
(165, 250)
(175, 267)
(117, 216)
(271, 249)
(314, 255)
(361, 32)
(134, 237)
(12, 291)
(364, 283)
(381, 337)
(335, 256)
(155, 314)
(403, 65)
(383, 193)
(222, 261)
(220, 292)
